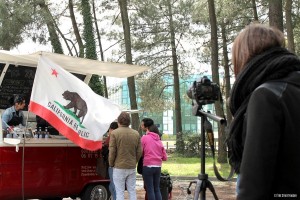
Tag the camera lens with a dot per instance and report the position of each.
(190, 92)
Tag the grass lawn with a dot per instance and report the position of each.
(183, 166)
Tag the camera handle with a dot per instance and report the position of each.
(203, 183)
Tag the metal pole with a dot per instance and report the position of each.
(203, 175)
(213, 117)
(202, 146)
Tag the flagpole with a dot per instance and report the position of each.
(23, 155)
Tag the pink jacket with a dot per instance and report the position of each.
(153, 150)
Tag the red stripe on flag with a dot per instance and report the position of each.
(58, 124)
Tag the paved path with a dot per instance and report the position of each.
(224, 190)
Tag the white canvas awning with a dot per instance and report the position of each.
(17, 71)
(74, 64)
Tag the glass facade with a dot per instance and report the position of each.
(165, 120)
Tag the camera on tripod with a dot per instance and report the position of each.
(204, 91)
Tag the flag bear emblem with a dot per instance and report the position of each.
(77, 103)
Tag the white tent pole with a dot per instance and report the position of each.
(3, 72)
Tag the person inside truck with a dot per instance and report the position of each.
(13, 116)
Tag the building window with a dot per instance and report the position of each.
(165, 127)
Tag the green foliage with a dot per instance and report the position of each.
(192, 145)
(48, 19)
(88, 31)
(150, 34)
(56, 43)
(90, 44)
(189, 145)
(151, 40)
(153, 95)
(150, 27)
(15, 15)
(165, 171)
(168, 137)
(96, 84)
(178, 165)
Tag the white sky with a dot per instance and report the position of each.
(30, 47)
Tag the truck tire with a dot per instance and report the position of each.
(96, 192)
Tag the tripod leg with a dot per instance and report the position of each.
(203, 190)
(212, 189)
(197, 189)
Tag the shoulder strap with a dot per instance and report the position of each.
(210, 136)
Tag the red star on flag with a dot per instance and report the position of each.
(54, 72)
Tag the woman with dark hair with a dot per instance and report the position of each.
(13, 115)
(154, 153)
(146, 123)
(264, 135)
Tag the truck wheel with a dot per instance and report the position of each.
(95, 192)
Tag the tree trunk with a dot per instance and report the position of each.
(105, 92)
(275, 14)
(227, 73)
(51, 27)
(63, 37)
(88, 31)
(90, 44)
(255, 15)
(178, 125)
(130, 80)
(222, 155)
(289, 25)
(76, 31)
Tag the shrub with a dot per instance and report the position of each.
(190, 145)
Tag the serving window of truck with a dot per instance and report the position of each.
(54, 167)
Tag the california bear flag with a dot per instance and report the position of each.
(70, 105)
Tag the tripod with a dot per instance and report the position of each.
(203, 183)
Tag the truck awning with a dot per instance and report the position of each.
(17, 71)
(74, 64)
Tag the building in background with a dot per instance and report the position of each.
(165, 120)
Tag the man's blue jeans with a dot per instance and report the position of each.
(151, 176)
(122, 177)
(111, 184)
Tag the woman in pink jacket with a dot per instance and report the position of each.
(154, 153)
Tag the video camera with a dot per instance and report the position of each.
(204, 91)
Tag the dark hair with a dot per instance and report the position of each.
(114, 125)
(16, 98)
(147, 122)
(153, 128)
(253, 40)
(124, 119)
